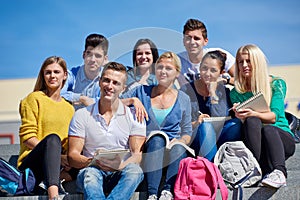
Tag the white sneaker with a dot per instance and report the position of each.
(166, 195)
(57, 198)
(43, 185)
(152, 197)
(275, 179)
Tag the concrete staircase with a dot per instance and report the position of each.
(290, 192)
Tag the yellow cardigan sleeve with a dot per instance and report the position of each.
(29, 118)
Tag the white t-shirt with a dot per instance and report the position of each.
(89, 124)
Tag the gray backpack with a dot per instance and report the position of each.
(237, 165)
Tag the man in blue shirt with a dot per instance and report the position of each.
(82, 85)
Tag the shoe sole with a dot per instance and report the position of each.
(273, 185)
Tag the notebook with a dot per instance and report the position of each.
(256, 103)
(217, 122)
(109, 154)
(168, 144)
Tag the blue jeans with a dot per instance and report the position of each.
(156, 158)
(96, 183)
(206, 142)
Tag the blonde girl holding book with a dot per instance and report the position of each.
(266, 134)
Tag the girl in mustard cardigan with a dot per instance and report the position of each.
(45, 118)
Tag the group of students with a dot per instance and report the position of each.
(103, 105)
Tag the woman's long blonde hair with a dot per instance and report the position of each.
(260, 75)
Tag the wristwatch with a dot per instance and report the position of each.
(214, 98)
(227, 77)
(228, 80)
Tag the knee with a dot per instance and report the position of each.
(177, 151)
(201, 131)
(206, 127)
(206, 132)
(233, 127)
(252, 121)
(91, 174)
(269, 131)
(90, 170)
(156, 142)
(237, 123)
(133, 171)
(53, 140)
(178, 148)
(88, 176)
(133, 168)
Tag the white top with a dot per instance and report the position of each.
(89, 124)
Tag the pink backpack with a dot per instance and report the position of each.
(198, 178)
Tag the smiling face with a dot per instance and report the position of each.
(54, 76)
(112, 83)
(244, 65)
(210, 70)
(144, 57)
(94, 58)
(194, 42)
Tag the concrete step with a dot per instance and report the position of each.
(290, 192)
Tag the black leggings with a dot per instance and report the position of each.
(270, 145)
(44, 160)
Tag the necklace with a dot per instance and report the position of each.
(163, 100)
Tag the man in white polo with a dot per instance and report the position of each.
(109, 125)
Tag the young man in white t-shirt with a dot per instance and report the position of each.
(108, 125)
(194, 40)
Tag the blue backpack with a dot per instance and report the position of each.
(15, 182)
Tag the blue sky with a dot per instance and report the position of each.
(32, 30)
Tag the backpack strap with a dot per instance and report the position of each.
(29, 181)
(180, 187)
(213, 169)
(223, 188)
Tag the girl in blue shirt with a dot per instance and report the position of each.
(169, 110)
